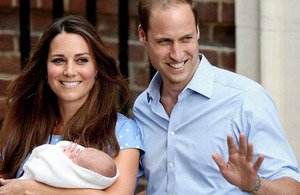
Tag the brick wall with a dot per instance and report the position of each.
(217, 39)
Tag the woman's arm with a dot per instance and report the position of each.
(127, 162)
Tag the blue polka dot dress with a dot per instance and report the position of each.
(127, 133)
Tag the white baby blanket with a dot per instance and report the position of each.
(49, 165)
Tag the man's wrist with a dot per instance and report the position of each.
(256, 188)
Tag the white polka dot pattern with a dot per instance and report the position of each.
(127, 132)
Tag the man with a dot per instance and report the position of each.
(189, 109)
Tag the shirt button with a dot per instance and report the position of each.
(171, 164)
(172, 133)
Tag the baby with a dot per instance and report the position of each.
(69, 165)
(92, 159)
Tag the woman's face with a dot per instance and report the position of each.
(71, 68)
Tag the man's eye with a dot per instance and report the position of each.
(164, 42)
(187, 39)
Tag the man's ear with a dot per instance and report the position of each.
(142, 36)
(198, 32)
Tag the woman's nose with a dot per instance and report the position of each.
(70, 70)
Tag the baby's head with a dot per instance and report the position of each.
(97, 161)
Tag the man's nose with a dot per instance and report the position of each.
(176, 52)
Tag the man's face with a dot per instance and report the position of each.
(172, 42)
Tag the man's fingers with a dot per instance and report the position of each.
(258, 162)
(219, 161)
(250, 152)
(242, 144)
(231, 145)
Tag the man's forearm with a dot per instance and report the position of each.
(283, 186)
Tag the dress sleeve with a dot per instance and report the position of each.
(128, 134)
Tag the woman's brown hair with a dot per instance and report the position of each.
(33, 109)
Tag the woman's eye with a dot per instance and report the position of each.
(58, 61)
(82, 60)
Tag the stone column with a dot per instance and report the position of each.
(267, 51)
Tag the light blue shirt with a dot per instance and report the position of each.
(214, 104)
(127, 133)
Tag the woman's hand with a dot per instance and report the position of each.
(14, 186)
(29, 186)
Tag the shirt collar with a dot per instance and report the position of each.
(202, 81)
(154, 87)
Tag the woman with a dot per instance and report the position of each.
(68, 91)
